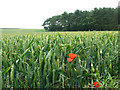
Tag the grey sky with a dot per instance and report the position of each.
(32, 13)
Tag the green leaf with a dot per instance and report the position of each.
(6, 70)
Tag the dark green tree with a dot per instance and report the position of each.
(98, 19)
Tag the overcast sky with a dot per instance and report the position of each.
(32, 13)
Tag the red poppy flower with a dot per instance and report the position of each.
(72, 56)
(95, 83)
(96, 86)
(69, 59)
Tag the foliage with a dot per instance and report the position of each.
(98, 19)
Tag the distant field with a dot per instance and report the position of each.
(21, 30)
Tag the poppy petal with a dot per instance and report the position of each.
(96, 86)
(95, 83)
(72, 56)
(69, 59)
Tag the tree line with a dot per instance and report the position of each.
(99, 19)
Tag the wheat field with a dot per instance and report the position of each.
(39, 59)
